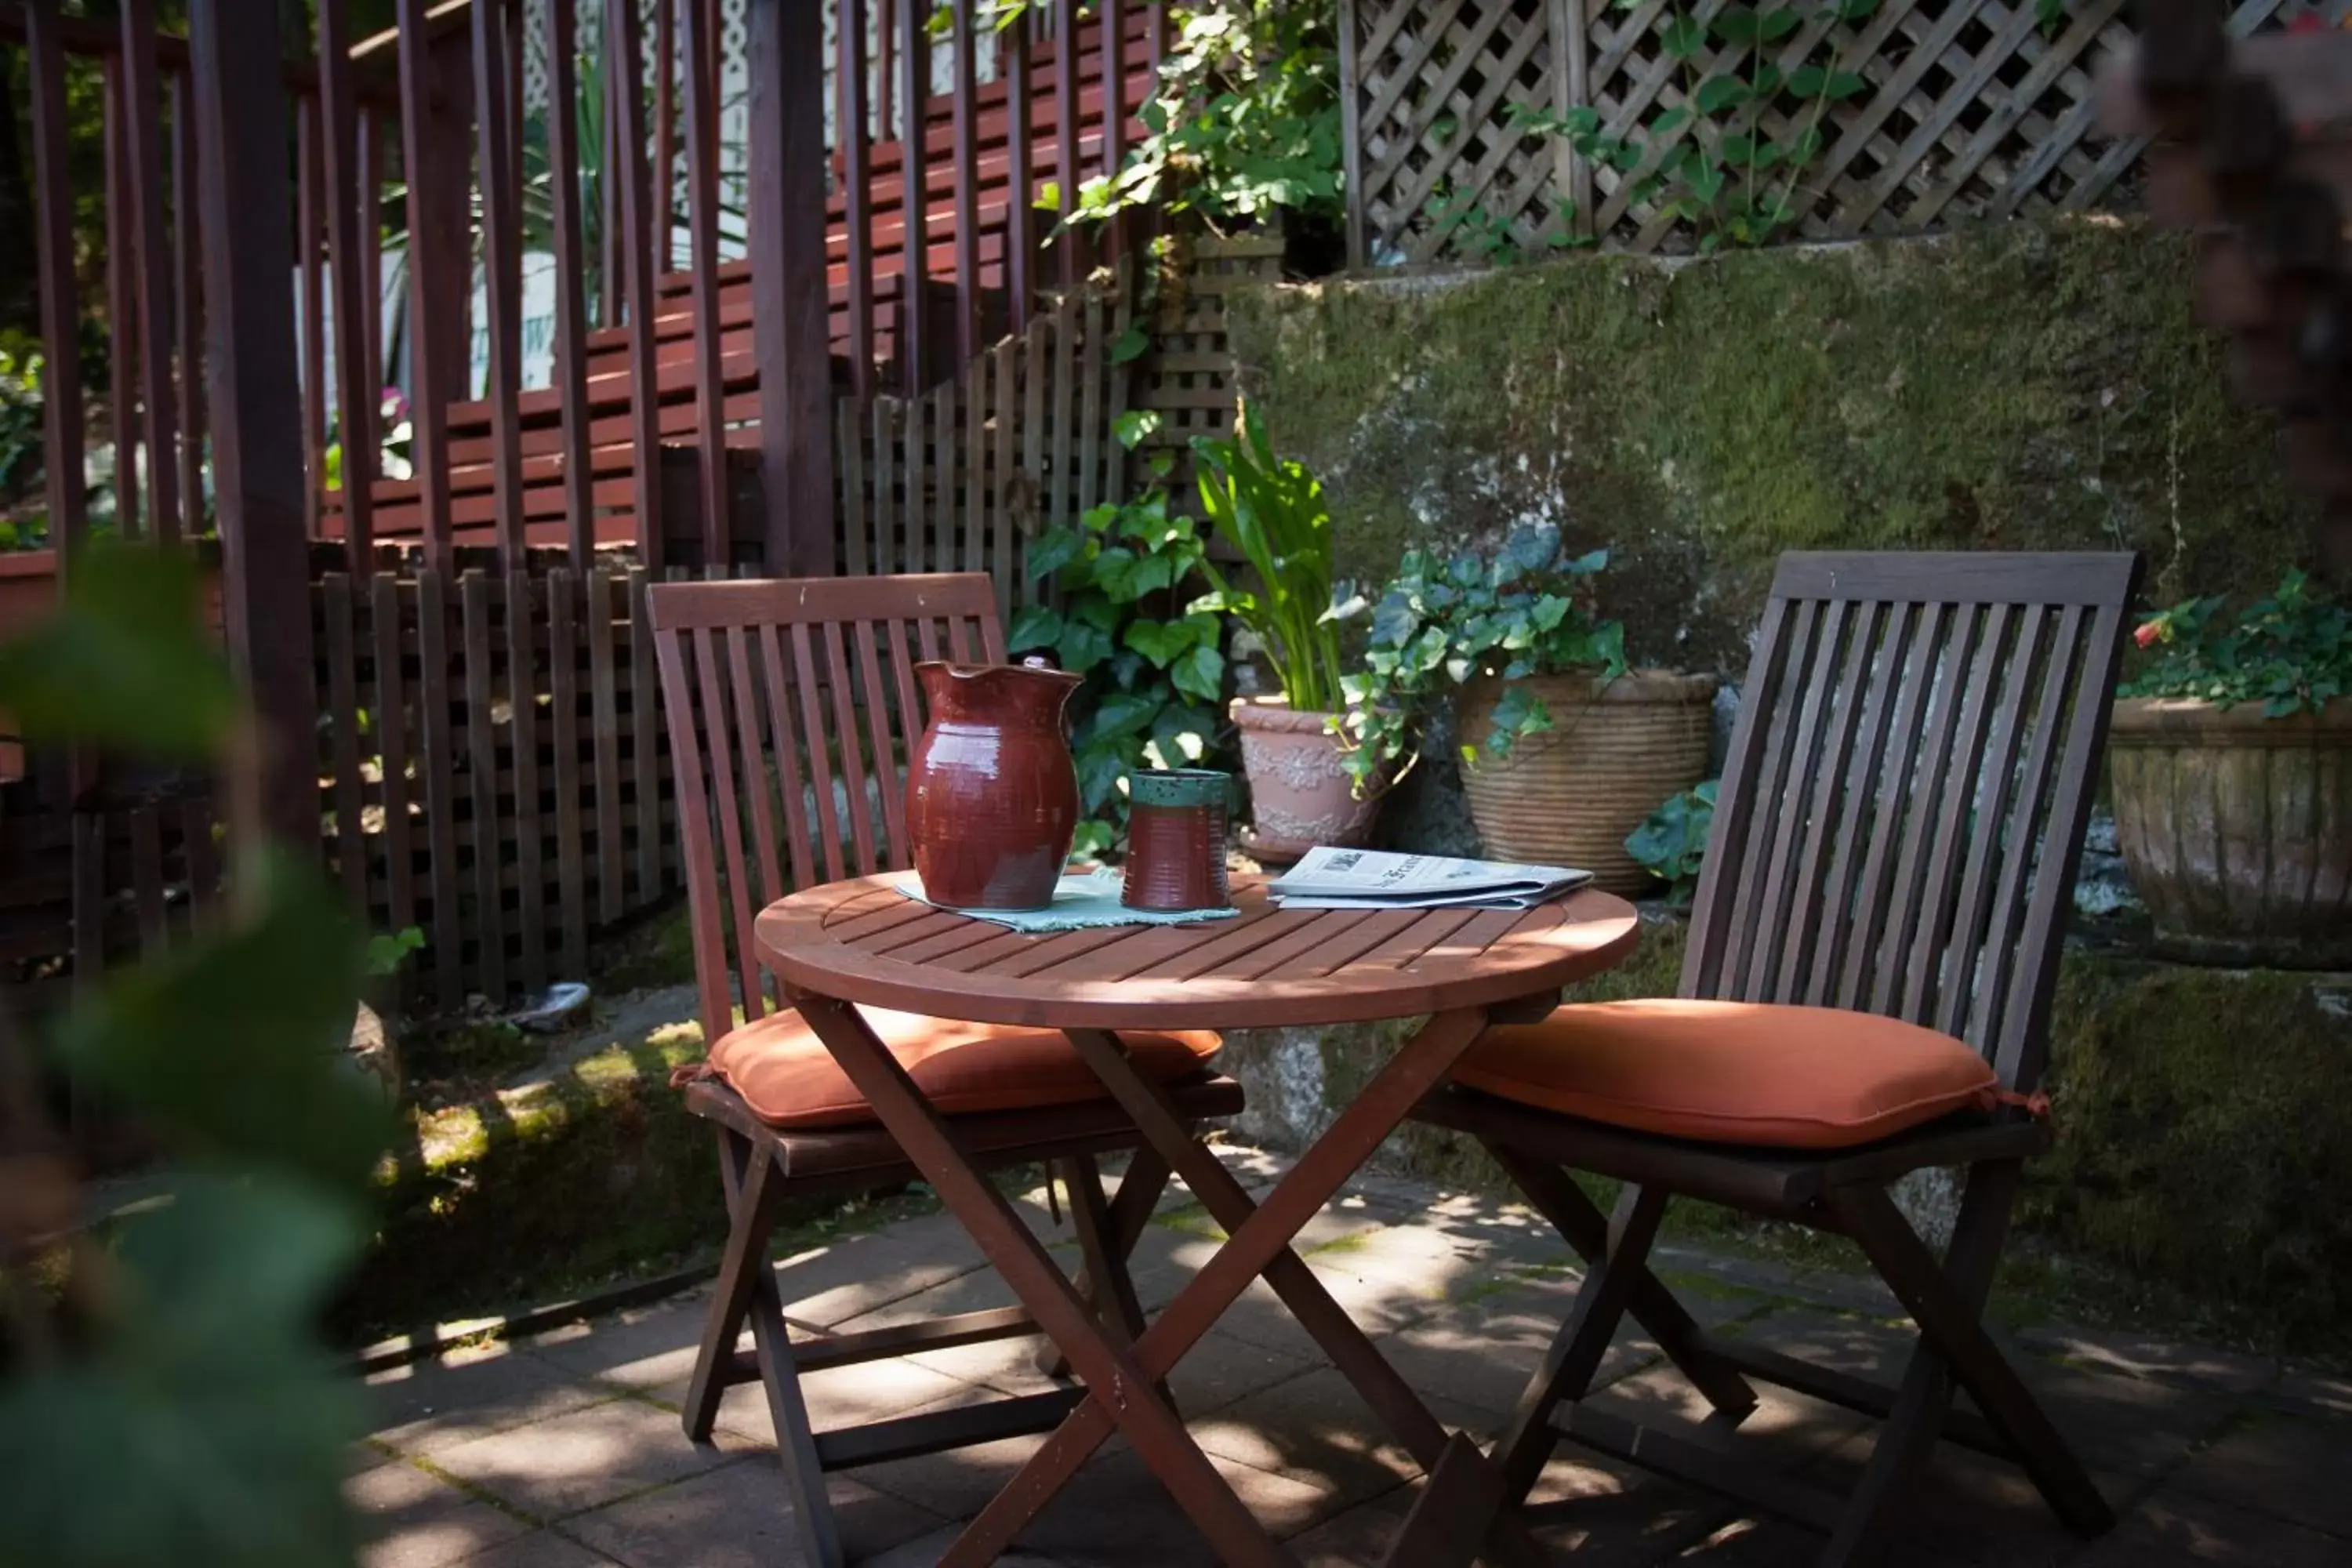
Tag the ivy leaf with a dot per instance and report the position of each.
(1672, 121)
(1806, 81)
(1843, 85)
(1199, 673)
(1130, 345)
(1718, 94)
(1393, 621)
(1707, 183)
(1055, 548)
(1740, 152)
(1855, 10)
(1120, 714)
(1528, 548)
(1776, 23)
(1081, 646)
(123, 662)
(1124, 576)
(1161, 641)
(1682, 38)
(1036, 626)
(1738, 25)
(1134, 425)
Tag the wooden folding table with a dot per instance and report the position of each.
(865, 942)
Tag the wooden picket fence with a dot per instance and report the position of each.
(1968, 108)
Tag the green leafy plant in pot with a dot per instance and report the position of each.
(1564, 750)
(1302, 790)
(2230, 768)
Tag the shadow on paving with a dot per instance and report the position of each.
(566, 1449)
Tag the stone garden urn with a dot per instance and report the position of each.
(2237, 829)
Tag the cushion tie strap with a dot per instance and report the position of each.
(691, 1072)
(2036, 1105)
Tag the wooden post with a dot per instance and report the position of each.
(851, 133)
(571, 279)
(1351, 129)
(350, 201)
(254, 399)
(914, 186)
(143, 132)
(498, 178)
(702, 62)
(434, 106)
(61, 411)
(790, 312)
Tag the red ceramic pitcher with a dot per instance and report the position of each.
(991, 793)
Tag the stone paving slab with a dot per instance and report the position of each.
(566, 1450)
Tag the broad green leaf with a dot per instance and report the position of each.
(1081, 646)
(123, 662)
(1738, 25)
(1776, 23)
(273, 996)
(1120, 714)
(199, 1426)
(1130, 345)
(1161, 641)
(1683, 37)
(1847, 84)
(1135, 424)
(1199, 673)
(1055, 548)
(1672, 121)
(1718, 94)
(1034, 626)
(1806, 81)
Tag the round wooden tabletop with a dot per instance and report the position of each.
(865, 941)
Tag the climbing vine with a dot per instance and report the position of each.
(1725, 157)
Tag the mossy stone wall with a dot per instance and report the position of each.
(2026, 386)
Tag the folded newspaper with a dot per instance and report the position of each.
(1330, 878)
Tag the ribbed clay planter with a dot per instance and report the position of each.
(1570, 794)
(2237, 829)
(1300, 793)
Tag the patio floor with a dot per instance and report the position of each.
(565, 1450)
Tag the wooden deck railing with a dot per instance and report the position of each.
(892, 299)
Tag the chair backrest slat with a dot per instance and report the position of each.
(762, 684)
(1902, 810)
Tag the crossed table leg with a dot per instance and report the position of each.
(1123, 1380)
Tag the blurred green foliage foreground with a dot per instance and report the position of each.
(165, 1393)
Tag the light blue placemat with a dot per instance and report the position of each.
(1080, 903)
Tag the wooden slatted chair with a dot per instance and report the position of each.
(791, 706)
(1866, 993)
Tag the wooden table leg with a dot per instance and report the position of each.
(1120, 1389)
(1263, 1237)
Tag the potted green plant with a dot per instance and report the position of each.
(1565, 750)
(1302, 793)
(2231, 771)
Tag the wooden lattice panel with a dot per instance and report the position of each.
(1188, 377)
(1969, 108)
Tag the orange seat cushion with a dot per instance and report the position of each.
(789, 1079)
(1733, 1072)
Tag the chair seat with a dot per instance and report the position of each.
(1759, 1075)
(783, 1072)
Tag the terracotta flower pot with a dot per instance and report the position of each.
(2237, 829)
(1300, 793)
(1570, 794)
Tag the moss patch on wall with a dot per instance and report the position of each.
(2205, 1136)
(2024, 386)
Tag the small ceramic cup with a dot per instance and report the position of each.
(1176, 839)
